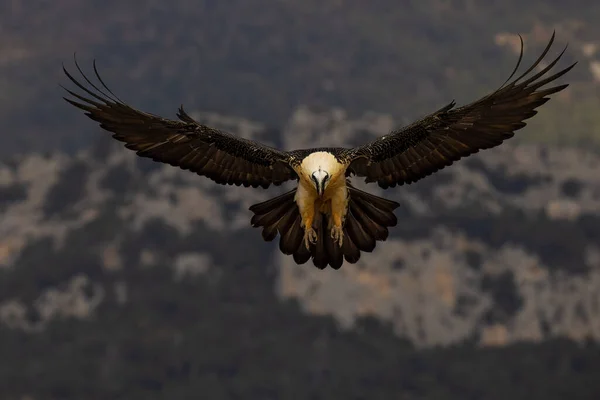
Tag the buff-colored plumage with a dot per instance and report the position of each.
(334, 201)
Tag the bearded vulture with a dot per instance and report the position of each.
(326, 218)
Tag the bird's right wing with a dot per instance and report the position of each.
(221, 156)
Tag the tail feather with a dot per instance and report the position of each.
(355, 231)
(372, 228)
(302, 254)
(285, 223)
(379, 202)
(334, 251)
(367, 222)
(350, 250)
(275, 202)
(269, 233)
(291, 238)
(270, 218)
(288, 230)
(271, 211)
(325, 251)
(377, 215)
(318, 250)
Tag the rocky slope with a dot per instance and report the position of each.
(123, 278)
(500, 247)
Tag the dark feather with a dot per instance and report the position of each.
(269, 232)
(381, 217)
(280, 215)
(220, 156)
(358, 235)
(302, 254)
(372, 228)
(291, 239)
(379, 202)
(349, 249)
(270, 213)
(334, 251)
(275, 202)
(318, 250)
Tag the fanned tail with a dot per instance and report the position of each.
(367, 221)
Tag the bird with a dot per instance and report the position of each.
(325, 217)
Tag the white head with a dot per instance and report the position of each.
(321, 168)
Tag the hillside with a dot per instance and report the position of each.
(122, 278)
(262, 59)
(125, 279)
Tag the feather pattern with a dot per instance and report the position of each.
(361, 232)
(220, 156)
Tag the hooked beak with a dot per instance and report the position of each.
(320, 189)
(320, 178)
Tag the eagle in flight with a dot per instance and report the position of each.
(325, 218)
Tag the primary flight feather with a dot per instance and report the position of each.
(325, 218)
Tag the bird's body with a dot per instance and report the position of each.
(322, 191)
(325, 218)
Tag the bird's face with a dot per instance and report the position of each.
(321, 179)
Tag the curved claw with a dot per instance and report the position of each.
(310, 236)
(337, 233)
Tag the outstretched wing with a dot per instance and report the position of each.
(445, 136)
(222, 157)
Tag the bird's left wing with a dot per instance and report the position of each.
(221, 156)
(445, 136)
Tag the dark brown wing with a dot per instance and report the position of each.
(445, 136)
(222, 157)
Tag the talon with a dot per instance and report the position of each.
(310, 236)
(337, 234)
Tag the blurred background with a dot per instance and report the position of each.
(125, 279)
